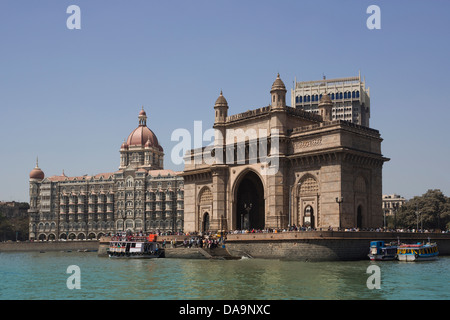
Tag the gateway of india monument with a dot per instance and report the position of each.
(271, 167)
(279, 166)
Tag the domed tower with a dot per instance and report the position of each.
(326, 107)
(142, 149)
(221, 113)
(278, 93)
(36, 177)
(37, 174)
(221, 109)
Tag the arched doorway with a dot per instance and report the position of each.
(250, 211)
(205, 223)
(359, 217)
(308, 217)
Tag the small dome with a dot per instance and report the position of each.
(325, 100)
(278, 84)
(124, 145)
(37, 173)
(221, 101)
(142, 136)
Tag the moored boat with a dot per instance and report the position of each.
(135, 247)
(417, 252)
(381, 251)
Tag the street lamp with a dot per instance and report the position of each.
(339, 200)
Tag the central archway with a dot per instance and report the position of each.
(250, 213)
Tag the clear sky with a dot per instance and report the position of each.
(71, 97)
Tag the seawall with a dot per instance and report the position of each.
(322, 245)
(304, 246)
(90, 245)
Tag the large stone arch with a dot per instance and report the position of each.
(248, 210)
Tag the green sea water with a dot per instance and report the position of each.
(36, 276)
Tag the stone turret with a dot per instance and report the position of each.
(326, 107)
(278, 93)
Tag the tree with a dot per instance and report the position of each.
(431, 210)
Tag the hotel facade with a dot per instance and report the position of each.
(140, 196)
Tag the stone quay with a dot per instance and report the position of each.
(300, 246)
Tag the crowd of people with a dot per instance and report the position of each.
(212, 240)
(196, 242)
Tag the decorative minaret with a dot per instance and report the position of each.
(123, 154)
(278, 94)
(142, 118)
(221, 110)
(326, 107)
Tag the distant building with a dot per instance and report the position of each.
(391, 203)
(12, 209)
(350, 97)
(140, 196)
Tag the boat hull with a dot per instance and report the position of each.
(412, 257)
(381, 257)
(134, 257)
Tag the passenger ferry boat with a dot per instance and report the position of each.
(379, 250)
(135, 247)
(417, 252)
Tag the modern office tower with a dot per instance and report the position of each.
(350, 97)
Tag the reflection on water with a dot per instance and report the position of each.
(43, 276)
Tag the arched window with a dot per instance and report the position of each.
(129, 182)
(205, 197)
(357, 94)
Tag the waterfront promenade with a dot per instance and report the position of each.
(292, 245)
(287, 245)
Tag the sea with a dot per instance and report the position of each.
(86, 276)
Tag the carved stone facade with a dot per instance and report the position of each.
(140, 196)
(277, 166)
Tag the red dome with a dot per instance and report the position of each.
(143, 136)
(37, 173)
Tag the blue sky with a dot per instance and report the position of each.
(72, 96)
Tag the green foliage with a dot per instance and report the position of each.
(431, 210)
(10, 228)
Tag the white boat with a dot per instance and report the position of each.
(135, 247)
(417, 252)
